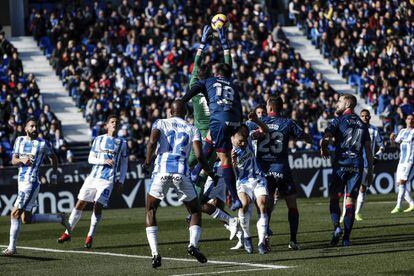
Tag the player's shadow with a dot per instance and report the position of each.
(160, 243)
(31, 258)
(342, 254)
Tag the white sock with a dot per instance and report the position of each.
(14, 232)
(95, 219)
(152, 237)
(262, 227)
(245, 223)
(221, 215)
(74, 218)
(408, 198)
(46, 218)
(360, 201)
(195, 232)
(401, 194)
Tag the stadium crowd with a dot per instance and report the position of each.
(134, 59)
(21, 99)
(371, 45)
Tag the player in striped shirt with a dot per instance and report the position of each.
(109, 158)
(405, 170)
(173, 139)
(28, 154)
(251, 183)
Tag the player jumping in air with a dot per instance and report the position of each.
(251, 183)
(28, 154)
(351, 139)
(225, 117)
(109, 158)
(376, 142)
(272, 153)
(212, 199)
(174, 138)
(405, 171)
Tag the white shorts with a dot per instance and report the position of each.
(253, 187)
(27, 195)
(405, 172)
(212, 192)
(182, 184)
(96, 190)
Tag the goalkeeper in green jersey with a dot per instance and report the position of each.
(200, 106)
(211, 197)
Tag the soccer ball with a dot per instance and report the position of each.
(219, 21)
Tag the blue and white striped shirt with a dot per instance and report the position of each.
(406, 139)
(106, 147)
(35, 150)
(247, 165)
(174, 145)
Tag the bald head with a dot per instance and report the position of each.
(178, 109)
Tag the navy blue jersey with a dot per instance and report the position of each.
(350, 135)
(272, 149)
(222, 97)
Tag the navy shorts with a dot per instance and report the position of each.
(221, 133)
(282, 181)
(349, 177)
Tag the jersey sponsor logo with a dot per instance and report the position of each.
(172, 178)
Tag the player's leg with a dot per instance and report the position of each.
(361, 196)
(15, 222)
(101, 199)
(159, 186)
(293, 218)
(407, 195)
(244, 217)
(336, 187)
(86, 194)
(187, 194)
(152, 228)
(272, 185)
(261, 195)
(208, 150)
(353, 185)
(221, 135)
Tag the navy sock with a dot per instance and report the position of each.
(226, 174)
(293, 217)
(349, 220)
(207, 152)
(335, 211)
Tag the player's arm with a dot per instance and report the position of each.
(370, 159)
(380, 143)
(197, 60)
(124, 163)
(197, 88)
(16, 160)
(262, 130)
(327, 137)
(152, 146)
(54, 160)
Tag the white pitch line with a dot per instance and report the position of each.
(222, 272)
(148, 257)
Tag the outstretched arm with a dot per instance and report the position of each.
(152, 146)
(199, 54)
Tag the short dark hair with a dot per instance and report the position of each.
(241, 127)
(365, 110)
(351, 98)
(260, 106)
(224, 69)
(276, 102)
(30, 119)
(111, 116)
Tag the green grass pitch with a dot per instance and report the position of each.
(382, 244)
